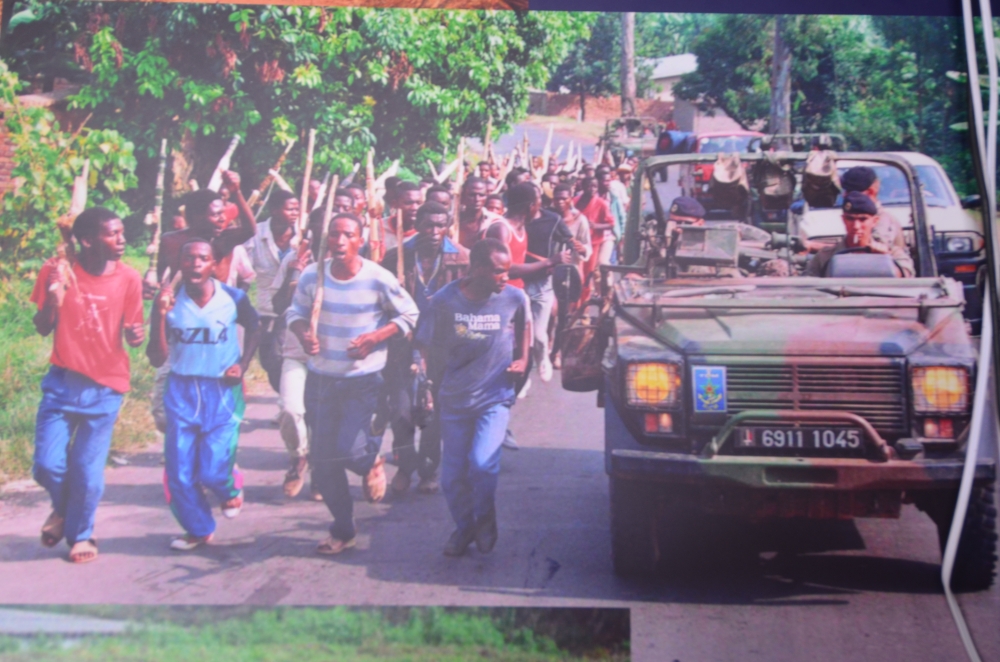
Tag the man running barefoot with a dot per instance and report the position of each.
(83, 389)
(196, 331)
(363, 306)
(471, 326)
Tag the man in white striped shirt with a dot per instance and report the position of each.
(363, 306)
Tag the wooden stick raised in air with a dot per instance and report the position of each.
(321, 259)
(400, 269)
(259, 191)
(459, 183)
(156, 217)
(306, 177)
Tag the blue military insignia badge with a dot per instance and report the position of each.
(709, 388)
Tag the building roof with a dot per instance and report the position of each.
(673, 65)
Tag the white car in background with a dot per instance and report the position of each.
(959, 247)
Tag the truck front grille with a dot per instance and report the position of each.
(875, 392)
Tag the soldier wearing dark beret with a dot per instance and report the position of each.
(860, 215)
(865, 180)
(687, 211)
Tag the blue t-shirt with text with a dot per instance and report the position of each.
(203, 341)
(475, 341)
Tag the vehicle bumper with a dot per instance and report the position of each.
(836, 474)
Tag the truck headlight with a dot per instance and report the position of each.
(940, 389)
(962, 242)
(653, 384)
(958, 244)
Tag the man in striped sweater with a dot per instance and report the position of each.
(363, 307)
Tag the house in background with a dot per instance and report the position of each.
(667, 71)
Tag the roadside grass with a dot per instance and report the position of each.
(24, 360)
(307, 635)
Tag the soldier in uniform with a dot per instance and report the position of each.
(860, 214)
(863, 179)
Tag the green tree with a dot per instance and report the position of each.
(882, 82)
(46, 160)
(407, 83)
(662, 35)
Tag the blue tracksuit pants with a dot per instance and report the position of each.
(203, 424)
(72, 437)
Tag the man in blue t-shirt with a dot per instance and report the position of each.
(471, 328)
(204, 403)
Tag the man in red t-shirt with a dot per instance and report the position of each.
(89, 375)
(602, 222)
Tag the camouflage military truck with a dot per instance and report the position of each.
(737, 391)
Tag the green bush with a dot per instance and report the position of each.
(46, 161)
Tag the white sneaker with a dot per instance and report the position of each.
(188, 542)
(524, 391)
(232, 508)
(545, 369)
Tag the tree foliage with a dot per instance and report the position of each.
(46, 160)
(882, 82)
(407, 83)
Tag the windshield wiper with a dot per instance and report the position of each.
(859, 292)
(701, 291)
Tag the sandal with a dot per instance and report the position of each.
(84, 551)
(332, 546)
(374, 482)
(52, 530)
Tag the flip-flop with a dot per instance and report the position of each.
(52, 530)
(332, 546)
(84, 551)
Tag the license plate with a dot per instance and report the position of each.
(800, 441)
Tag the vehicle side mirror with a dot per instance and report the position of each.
(972, 202)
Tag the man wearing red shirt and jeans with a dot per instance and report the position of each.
(602, 222)
(83, 390)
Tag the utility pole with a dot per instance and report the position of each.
(781, 81)
(628, 64)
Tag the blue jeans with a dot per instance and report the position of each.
(542, 297)
(72, 437)
(199, 448)
(339, 415)
(470, 462)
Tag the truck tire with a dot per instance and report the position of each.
(634, 550)
(975, 563)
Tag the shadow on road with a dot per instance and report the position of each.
(554, 545)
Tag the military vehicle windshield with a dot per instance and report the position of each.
(762, 195)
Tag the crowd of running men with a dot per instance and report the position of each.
(436, 340)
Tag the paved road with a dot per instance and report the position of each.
(562, 136)
(868, 591)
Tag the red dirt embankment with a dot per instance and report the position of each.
(599, 109)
